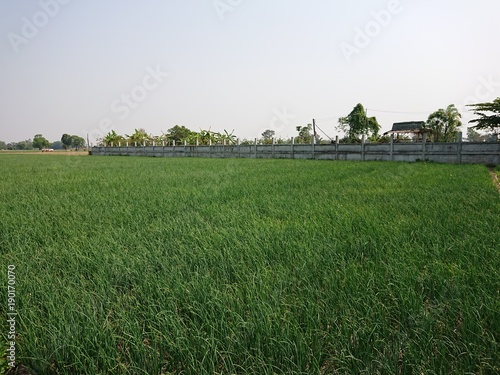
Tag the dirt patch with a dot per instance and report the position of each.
(496, 180)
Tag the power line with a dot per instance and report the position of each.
(462, 108)
(399, 112)
(377, 110)
(317, 127)
(327, 119)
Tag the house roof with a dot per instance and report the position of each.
(408, 127)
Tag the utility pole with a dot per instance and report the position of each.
(314, 130)
(366, 121)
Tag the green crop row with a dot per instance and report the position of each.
(225, 266)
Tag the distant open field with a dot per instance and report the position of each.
(129, 265)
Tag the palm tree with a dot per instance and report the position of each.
(444, 123)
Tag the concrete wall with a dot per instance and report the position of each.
(458, 152)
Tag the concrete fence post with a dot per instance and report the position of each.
(272, 147)
(459, 147)
(337, 147)
(255, 142)
(313, 148)
(363, 139)
(209, 148)
(424, 141)
(239, 147)
(292, 141)
(391, 152)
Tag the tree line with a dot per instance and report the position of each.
(179, 135)
(39, 142)
(443, 126)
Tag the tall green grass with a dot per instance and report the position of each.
(220, 266)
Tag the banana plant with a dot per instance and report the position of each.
(208, 136)
(140, 137)
(113, 139)
(228, 137)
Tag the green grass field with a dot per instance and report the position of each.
(218, 266)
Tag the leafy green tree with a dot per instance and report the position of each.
(489, 116)
(179, 134)
(20, 146)
(267, 136)
(24, 145)
(246, 142)
(444, 124)
(305, 135)
(357, 123)
(66, 141)
(3, 145)
(39, 142)
(57, 145)
(77, 142)
(474, 136)
(280, 141)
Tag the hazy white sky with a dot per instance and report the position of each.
(78, 67)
